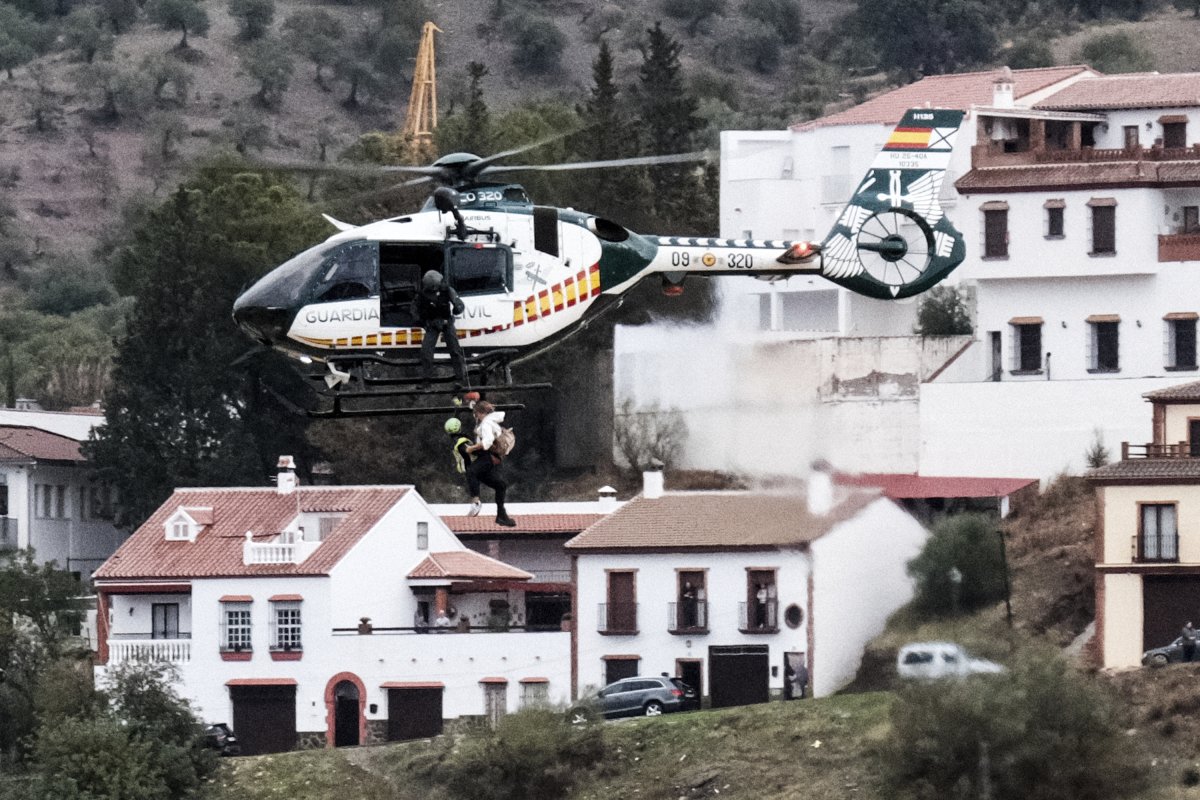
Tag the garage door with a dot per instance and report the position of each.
(738, 675)
(1168, 601)
(264, 718)
(414, 713)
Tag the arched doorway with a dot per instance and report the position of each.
(345, 715)
(345, 707)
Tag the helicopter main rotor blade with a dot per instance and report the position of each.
(484, 162)
(639, 161)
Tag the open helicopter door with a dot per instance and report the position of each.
(482, 274)
(401, 265)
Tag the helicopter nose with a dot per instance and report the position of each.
(263, 324)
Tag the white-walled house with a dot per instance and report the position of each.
(734, 590)
(50, 499)
(1077, 196)
(310, 616)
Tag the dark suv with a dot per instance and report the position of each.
(632, 697)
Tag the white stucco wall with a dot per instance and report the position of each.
(859, 580)
(74, 543)
(656, 587)
(1122, 642)
(1032, 430)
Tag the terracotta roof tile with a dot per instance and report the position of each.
(21, 443)
(1147, 469)
(526, 523)
(466, 564)
(217, 550)
(906, 486)
(1096, 175)
(1183, 392)
(722, 520)
(960, 91)
(1139, 90)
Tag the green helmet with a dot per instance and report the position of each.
(453, 425)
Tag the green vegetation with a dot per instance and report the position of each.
(961, 567)
(1116, 52)
(943, 312)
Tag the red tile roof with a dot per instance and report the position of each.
(716, 521)
(261, 682)
(960, 91)
(22, 443)
(217, 550)
(1180, 393)
(1101, 175)
(1147, 470)
(1139, 90)
(526, 523)
(905, 486)
(467, 564)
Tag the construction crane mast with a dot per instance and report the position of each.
(422, 103)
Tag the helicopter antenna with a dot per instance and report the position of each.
(421, 118)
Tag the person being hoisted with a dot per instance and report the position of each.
(437, 304)
(462, 455)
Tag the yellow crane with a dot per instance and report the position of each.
(422, 103)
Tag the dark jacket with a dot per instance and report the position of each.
(438, 304)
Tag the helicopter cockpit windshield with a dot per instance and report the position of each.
(349, 272)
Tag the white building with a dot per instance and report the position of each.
(1077, 195)
(736, 591)
(325, 615)
(50, 499)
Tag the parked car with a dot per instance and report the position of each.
(634, 697)
(934, 660)
(219, 737)
(1167, 654)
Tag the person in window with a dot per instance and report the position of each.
(690, 606)
(437, 304)
(485, 469)
(760, 605)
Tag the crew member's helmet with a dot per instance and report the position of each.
(432, 279)
(453, 425)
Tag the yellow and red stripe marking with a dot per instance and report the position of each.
(909, 139)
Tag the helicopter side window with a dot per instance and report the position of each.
(479, 269)
(348, 273)
(401, 267)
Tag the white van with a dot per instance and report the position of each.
(933, 660)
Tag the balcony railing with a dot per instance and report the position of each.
(616, 618)
(1179, 247)
(687, 616)
(276, 552)
(1151, 450)
(1162, 548)
(758, 617)
(993, 155)
(122, 649)
(8, 533)
(551, 575)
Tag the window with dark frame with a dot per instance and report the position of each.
(1027, 347)
(1191, 219)
(164, 620)
(422, 535)
(1131, 136)
(1105, 346)
(1174, 135)
(995, 233)
(285, 623)
(1181, 343)
(1158, 539)
(1104, 230)
(1054, 222)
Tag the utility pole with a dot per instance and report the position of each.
(421, 119)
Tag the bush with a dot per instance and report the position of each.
(536, 753)
(539, 46)
(1042, 731)
(1116, 52)
(943, 312)
(969, 543)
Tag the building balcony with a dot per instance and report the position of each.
(758, 617)
(615, 619)
(8, 533)
(142, 648)
(276, 552)
(1160, 549)
(687, 617)
(994, 155)
(1179, 247)
(1153, 450)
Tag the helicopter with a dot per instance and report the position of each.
(529, 275)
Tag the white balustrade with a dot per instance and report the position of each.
(276, 552)
(175, 651)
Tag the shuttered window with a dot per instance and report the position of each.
(995, 233)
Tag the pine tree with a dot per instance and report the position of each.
(181, 411)
(478, 133)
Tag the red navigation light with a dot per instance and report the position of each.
(672, 289)
(800, 253)
(801, 250)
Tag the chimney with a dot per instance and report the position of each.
(608, 500)
(820, 488)
(1002, 89)
(652, 481)
(286, 482)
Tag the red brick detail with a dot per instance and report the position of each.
(279, 598)
(412, 685)
(236, 598)
(534, 680)
(147, 588)
(331, 707)
(622, 657)
(261, 682)
(287, 655)
(1097, 654)
(101, 627)
(497, 681)
(240, 655)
